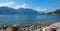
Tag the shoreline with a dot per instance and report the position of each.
(26, 27)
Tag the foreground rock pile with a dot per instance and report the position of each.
(52, 27)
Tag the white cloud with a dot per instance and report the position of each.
(24, 5)
(12, 5)
(8, 4)
(41, 10)
(44, 10)
(38, 9)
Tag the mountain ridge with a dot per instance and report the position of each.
(11, 11)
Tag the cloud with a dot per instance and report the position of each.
(38, 9)
(41, 10)
(8, 4)
(14, 5)
(45, 10)
(24, 5)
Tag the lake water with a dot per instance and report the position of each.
(28, 19)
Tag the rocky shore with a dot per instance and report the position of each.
(44, 27)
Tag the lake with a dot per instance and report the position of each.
(28, 19)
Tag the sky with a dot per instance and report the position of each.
(38, 5)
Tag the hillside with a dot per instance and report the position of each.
(55, 12)
(20, 11)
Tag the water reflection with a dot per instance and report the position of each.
(28, 19)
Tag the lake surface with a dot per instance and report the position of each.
(28, 19)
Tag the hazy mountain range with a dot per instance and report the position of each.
(11, 11)
(23, 11)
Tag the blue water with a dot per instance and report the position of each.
(28, 19)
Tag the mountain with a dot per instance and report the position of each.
(20, 11)
(7, 10)
(28, 11)
(55, 12)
